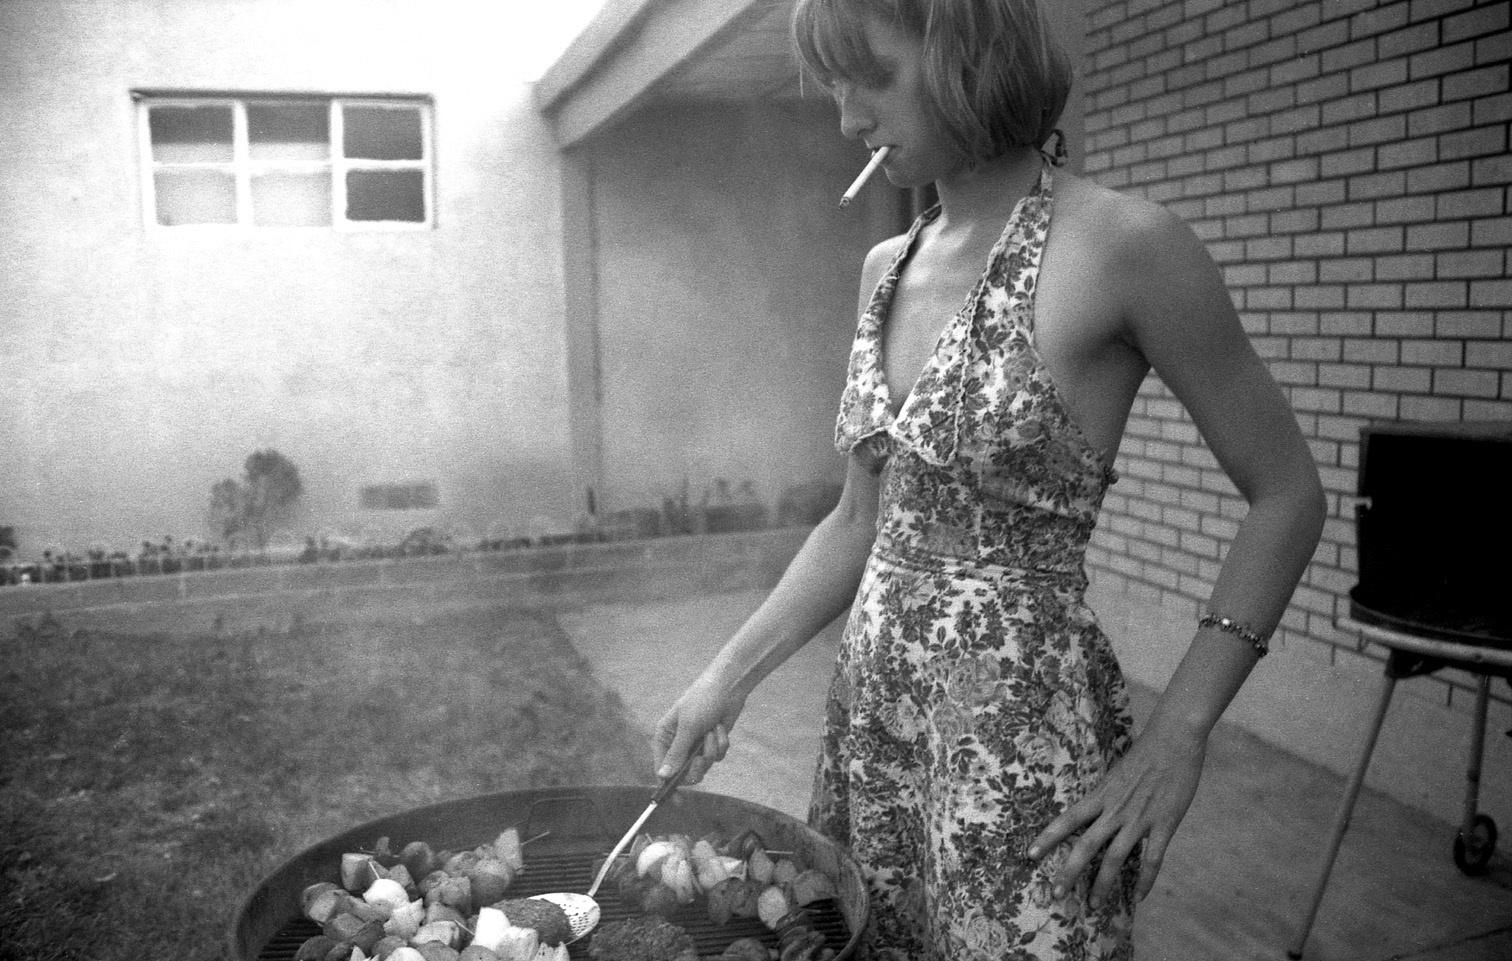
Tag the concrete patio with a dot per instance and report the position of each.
(1236, 876)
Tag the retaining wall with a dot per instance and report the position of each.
(565, 575)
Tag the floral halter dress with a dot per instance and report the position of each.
(975, 696)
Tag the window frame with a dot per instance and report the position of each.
(243, 167)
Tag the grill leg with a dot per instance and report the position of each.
(1341, 820)
(1477, 748)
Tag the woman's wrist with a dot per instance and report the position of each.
(1187, 731)
(729, 678)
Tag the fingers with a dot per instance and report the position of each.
(1098, 834)
(673, 756)
(1086, 848)
(1114, 857)
(662, 740)
(1150, 862)
(1114, 841)
(713, 749)
(1071, 820)
(674, 743)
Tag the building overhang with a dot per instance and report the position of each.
(637, 54)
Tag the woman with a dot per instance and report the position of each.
(978, 756)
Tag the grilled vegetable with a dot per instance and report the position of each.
(743, 845)
(489, 879)
(316, 948)
(418, 858)
(760, 867)
(547, 920)
(812, 885)
(744, 949)
(773, 906)
(358, 871)
(406, 920)
(651, 857)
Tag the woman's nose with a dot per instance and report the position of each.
(854, 119)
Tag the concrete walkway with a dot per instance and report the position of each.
(1236, 876)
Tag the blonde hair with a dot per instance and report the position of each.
(992, 69)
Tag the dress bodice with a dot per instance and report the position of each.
(983, 462)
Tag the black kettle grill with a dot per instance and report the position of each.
(1434, 530)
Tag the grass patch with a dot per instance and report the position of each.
(149, 781)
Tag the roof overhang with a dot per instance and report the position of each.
(640, 53)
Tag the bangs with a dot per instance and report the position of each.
(830, 43)
(992, 70)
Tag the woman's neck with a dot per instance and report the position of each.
(988, 191)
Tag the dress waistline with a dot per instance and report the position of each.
(914, 556)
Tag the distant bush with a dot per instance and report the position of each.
(807, 503)
(250, 510)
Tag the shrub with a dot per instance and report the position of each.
(251, 509)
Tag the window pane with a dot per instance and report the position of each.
(190, 134)
(288, 131)
(382, 133)
(291, 200)
(195, 197)
(386, 195)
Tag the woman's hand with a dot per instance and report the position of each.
(699, 721)
(1144, 796)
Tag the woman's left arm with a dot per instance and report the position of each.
(1179, 317)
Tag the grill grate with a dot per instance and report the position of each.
(574, 872)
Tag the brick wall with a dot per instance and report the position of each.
(1346, 162)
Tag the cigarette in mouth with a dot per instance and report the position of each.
(878, 155)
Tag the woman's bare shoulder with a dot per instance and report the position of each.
(878, 259)
(883, 253)
(1125, 226)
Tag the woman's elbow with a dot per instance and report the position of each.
(1310, 503)
(1294, 497)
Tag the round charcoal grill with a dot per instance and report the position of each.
(566, 830)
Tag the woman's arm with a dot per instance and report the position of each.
(817, 587)
(1180, 318)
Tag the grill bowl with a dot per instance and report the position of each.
(579, 825)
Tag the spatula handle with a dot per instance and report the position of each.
(669, 784)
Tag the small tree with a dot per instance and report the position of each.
(226, 510)
(252, 508)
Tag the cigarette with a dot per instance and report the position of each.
(878, 155)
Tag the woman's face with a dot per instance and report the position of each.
(893, 110)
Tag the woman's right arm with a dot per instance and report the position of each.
(817, 587)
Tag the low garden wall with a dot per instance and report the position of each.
(564, 575)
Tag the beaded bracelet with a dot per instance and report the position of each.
(1257, 641)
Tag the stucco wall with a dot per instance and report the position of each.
(138, 366)
(727, 279)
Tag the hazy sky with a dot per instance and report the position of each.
(550, 26)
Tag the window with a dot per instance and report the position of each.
(286, 161)
(400, 497)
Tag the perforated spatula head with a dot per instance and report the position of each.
(583, 912)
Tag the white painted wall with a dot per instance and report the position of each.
(138, 366)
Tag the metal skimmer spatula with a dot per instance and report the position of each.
(582, 910)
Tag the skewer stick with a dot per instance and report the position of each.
(878, 155)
